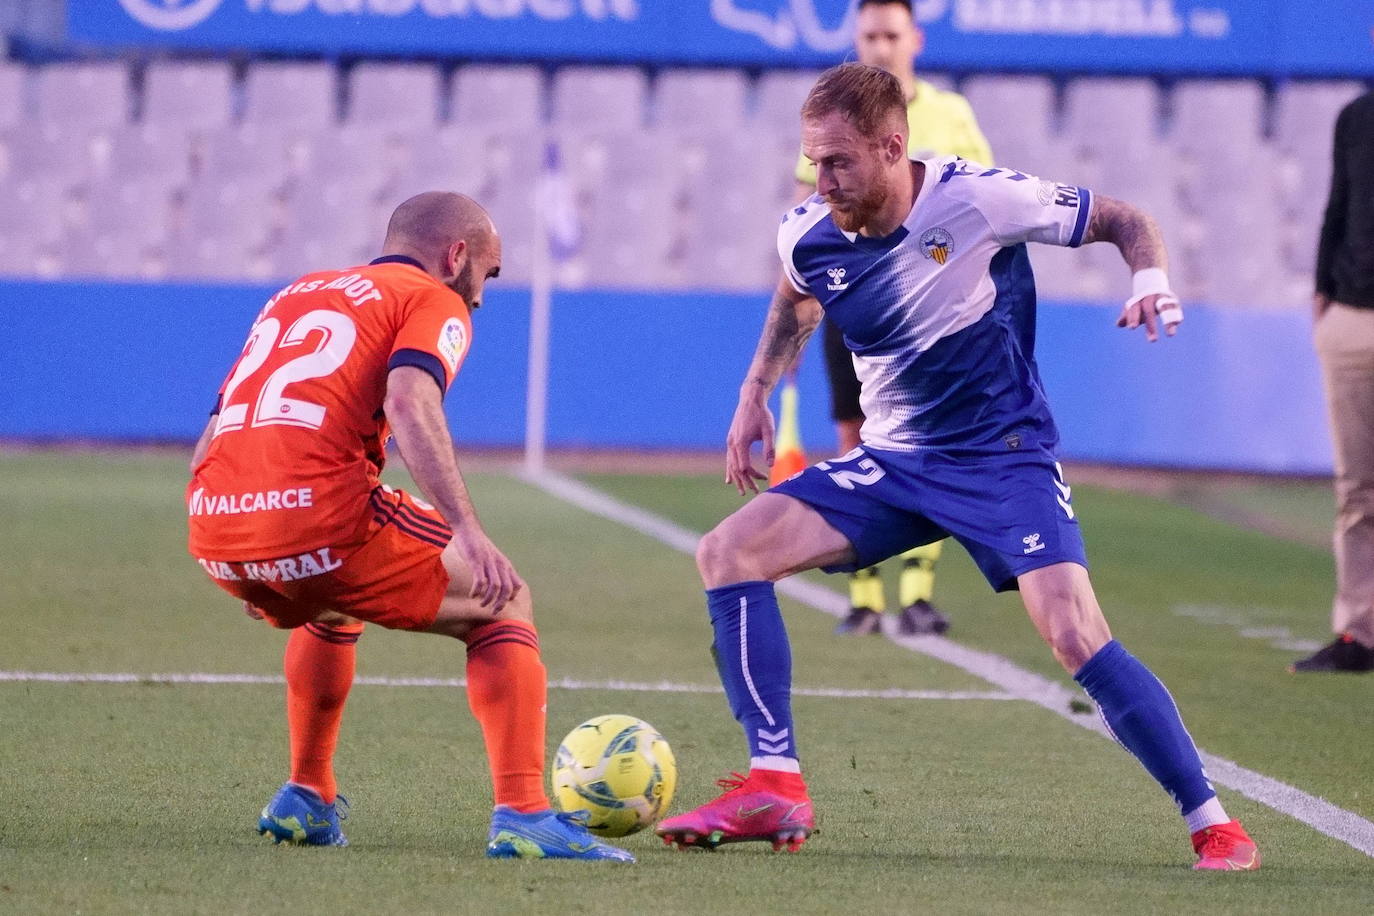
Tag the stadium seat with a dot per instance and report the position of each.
(85, 97)
(223, 229)
(261, 153)
(31, 207)
(701, 99)
(1304, 126)
(1305, 114)
(1216, 117)
(50, 153)
(331, 223)
(136, 208)
(1228, 250)
(453, 157)
(356, 154)
(397, 97)
(778, 100)
(734, 188)
(497, 97)
(146, 151)
(299, 96)
(188, 95)
(744, 259)
(1111, 115)
(625, 200)
(86, 253)
(13, 94)
(1017, 114)
(608, 98)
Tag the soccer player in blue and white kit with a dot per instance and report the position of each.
(923, 265)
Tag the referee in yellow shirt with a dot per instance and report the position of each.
(941, 123)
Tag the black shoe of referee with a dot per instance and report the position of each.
(920, 619)
(1344, 654)
(861, 621)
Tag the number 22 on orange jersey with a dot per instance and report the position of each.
(271, 406)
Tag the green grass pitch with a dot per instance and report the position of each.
(122, 798)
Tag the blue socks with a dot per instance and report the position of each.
(1142, 716)
(755, 663)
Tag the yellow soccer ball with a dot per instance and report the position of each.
(619, 769)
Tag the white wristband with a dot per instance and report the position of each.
(1153, 281)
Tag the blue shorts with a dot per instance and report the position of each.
(1010, 510)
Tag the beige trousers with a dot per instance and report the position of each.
(1345, 346)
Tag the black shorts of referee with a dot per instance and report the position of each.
(839, 368)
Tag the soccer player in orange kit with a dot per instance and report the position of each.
(287, 513)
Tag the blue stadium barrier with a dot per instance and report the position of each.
(1238, 389)
(1142, 36)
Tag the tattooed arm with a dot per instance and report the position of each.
(1133, 231)
(1136, 235)
(791, 319)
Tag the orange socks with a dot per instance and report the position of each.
(319, 671)
(506, 692)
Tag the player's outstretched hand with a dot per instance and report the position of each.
(494, 580)
(753, 422)
(1152, 310)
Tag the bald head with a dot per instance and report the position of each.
(451, 235)
(429, 223)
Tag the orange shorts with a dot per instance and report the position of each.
(394, 578)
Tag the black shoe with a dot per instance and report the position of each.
(922, 618)
(1344, 654)
(860, 622)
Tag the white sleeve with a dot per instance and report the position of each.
(789, 233)
(1023, 208)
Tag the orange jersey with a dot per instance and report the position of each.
(301, 437)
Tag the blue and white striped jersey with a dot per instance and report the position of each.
(940, 315)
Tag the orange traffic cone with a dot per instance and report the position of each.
(789, 457)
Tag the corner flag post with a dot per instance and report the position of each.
(558, 234)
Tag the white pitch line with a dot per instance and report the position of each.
(200, 677)
(1317, 813)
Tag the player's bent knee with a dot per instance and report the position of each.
(459, 615)
(1076, 633)
(1074, 647)
(721, 559)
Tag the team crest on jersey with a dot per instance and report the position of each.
(937, 244)
(453, 343)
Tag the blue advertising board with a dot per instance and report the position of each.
(1152, 36)
(1209, 398)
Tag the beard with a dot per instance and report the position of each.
(852, 212)
(462, 285)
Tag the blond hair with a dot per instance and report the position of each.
(870, 98)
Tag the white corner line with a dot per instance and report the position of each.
(1317, 813)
